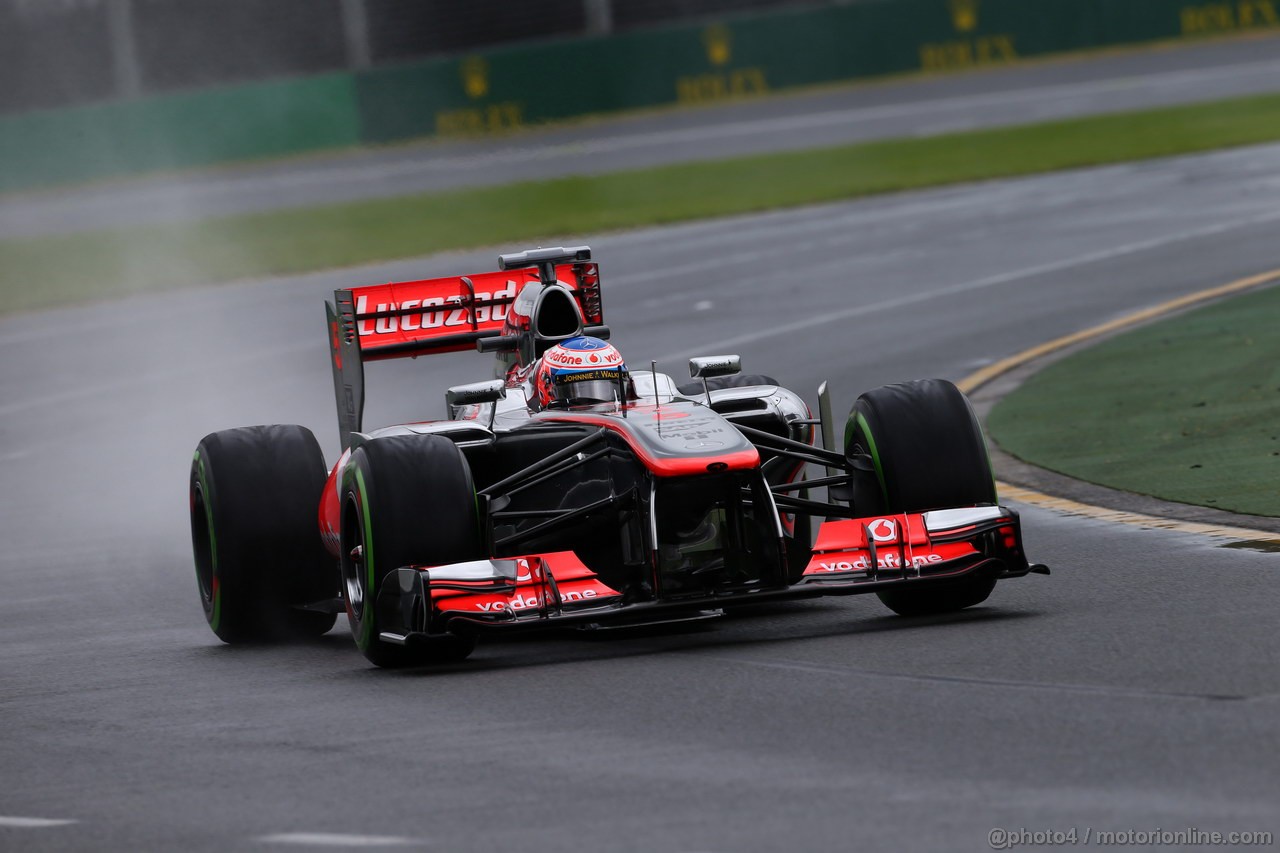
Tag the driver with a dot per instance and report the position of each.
(581, 371)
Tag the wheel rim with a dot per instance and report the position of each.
(354, 571)
(202, 543)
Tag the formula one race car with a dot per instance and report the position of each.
(570, 491)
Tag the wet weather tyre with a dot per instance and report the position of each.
(406, 500)
(926, 452)
(254, 493)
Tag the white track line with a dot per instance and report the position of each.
(425, 160)
(335, 839)
(809, 323)
(790, 123)
(148, 379)
(33, 822)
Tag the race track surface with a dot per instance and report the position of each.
(912, 106)
(1136, 688)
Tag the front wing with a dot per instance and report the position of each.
(851, 556)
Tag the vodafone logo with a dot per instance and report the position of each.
(883, 530)
(562, 357)
(520, 602)
(888, 561)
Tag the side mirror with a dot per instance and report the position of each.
(707, 366)
(475, 393)
(498, 343)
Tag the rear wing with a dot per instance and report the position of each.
(412, 318)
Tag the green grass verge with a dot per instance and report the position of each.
(1187, 409)
(51, 270)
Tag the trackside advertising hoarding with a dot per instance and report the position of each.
(503, 89)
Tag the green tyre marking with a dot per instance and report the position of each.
(215, 588)
(875, 456)
(366, 616)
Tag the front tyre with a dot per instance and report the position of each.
(406, 500)
(926, 451)
(254, 494)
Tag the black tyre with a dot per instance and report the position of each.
(255, 493)
(927, 452)
(405, 500)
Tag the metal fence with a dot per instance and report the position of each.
(62, 52)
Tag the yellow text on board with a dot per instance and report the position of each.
(967, 53)
(721, 85)
(492, 118)
(1225, 17)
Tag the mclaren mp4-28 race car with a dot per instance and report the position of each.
(574, 489)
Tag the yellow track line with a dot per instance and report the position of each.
(1029, 496)
(981, 377)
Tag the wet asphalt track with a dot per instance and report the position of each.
(910, 106)
(1138, 687)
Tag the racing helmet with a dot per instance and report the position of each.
(579, 371)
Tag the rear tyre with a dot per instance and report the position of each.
(406, 500)
(254, 496)
(926, 452)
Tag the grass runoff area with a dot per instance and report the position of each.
(45, 271)
(1187, 409)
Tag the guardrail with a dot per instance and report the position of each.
(508, 88)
